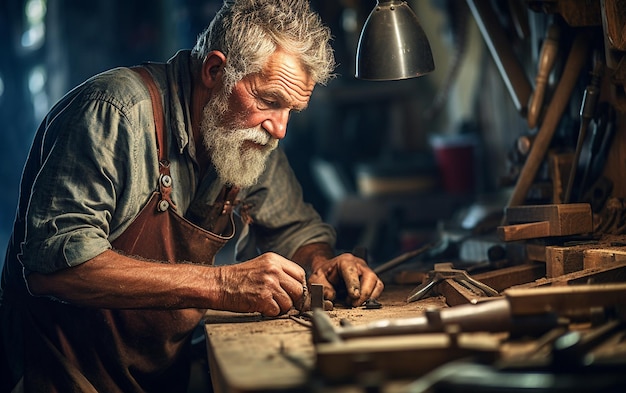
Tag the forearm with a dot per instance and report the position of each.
(312, 255)
(112, 280)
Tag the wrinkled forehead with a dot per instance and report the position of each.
(284, 74)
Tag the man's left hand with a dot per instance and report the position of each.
(361, 283)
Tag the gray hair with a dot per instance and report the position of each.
(249, 31)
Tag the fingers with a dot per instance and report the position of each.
(361, 282)
(371, 288)
(269, 284)
(319, 277)
(350, 268)
(288, 287)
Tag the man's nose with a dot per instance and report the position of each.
(276, 123)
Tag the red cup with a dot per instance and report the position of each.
(455, 159)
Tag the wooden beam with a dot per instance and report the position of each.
(606, 274)
(507, 277)
(528, 301)
(405, 356)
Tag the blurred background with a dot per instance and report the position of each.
(368, 154)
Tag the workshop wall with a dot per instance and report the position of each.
(359, 140)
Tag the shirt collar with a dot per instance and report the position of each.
(179, 83)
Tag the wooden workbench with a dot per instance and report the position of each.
(250, 353)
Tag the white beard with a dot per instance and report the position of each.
(235, 164)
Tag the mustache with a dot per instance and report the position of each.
(256, 135)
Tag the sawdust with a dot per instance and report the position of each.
(393, 301)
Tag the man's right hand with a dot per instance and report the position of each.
(269, 284)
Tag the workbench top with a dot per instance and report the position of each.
(251, 353)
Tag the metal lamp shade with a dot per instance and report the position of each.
(392, 44)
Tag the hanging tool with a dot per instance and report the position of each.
(547, 58)
(598, 146)
(509, 66)
(587, 113)
(562, 94)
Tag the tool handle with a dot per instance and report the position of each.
(547, 58)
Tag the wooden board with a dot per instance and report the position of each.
(529, 301)
(536, 221)
(603, 257)
(399, 356)
(250, 353)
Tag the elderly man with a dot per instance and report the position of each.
(128, 194)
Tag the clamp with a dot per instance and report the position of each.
(445, 271)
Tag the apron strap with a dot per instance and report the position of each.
(218, 218)
(165, 179)
(157, 109)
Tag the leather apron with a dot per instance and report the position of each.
(79, 349)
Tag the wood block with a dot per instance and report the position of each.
(504, 278)
(534, 221)
(600, 257)
(563, 260)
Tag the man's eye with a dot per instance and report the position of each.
(270, 103)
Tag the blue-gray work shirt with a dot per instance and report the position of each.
(94, 165)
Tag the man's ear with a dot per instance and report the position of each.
(212, 68)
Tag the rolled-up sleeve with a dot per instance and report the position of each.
(280, 220)
(83, 155)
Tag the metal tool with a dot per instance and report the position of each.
(587, 113)
(317, 296)
(599, 145)
(523, 312)
(444, 271)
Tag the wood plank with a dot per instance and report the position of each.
(606, 274)
(242, 361)
(405, 356)
(603, 257)
(252, 354)
(507, 277)
(528, 301)
(530, 230)
(559, 215)
(535, 221)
